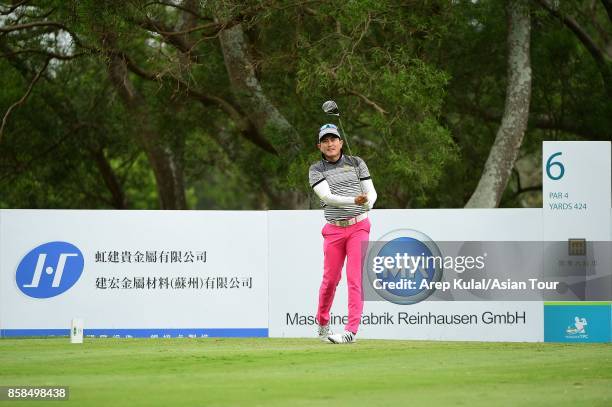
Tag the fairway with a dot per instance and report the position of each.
(281, 372)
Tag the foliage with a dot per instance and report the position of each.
(421, 86)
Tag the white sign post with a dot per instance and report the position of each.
(576, 215)
(76, 330)
(576, 190)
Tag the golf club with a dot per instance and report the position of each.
(331, 108)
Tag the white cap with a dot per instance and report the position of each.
(329, 129)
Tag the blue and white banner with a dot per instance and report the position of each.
(578, 322)
(134, 273)
(204, 274)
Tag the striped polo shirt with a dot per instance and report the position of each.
(343, 181)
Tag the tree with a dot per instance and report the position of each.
(509, 137)
(188, 104)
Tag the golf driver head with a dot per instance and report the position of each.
(330, 107)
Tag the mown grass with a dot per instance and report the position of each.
(305, 372)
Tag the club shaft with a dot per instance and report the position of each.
(348, 147)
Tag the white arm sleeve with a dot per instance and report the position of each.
(368, 189)
(323, 192)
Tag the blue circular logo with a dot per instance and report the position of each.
(49, 269)
(402, 264)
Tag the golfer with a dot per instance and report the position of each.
(347, 193)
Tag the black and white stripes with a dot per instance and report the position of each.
(343, 181)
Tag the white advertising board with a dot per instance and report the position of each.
(296, 260)
(188, 273)
(134, 273)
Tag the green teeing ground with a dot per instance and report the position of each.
(301, 372)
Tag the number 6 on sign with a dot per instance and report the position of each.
(550, 163)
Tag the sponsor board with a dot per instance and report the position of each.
(293, 291)
(133, 273)
(204, 274)
(577, 322)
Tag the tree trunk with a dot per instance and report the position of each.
(267, 120)
(251, 98)
(509, 137)
(166, 166)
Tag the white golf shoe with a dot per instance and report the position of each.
(323, 331)
(345, 337)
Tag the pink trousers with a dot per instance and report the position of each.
(340, 243)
